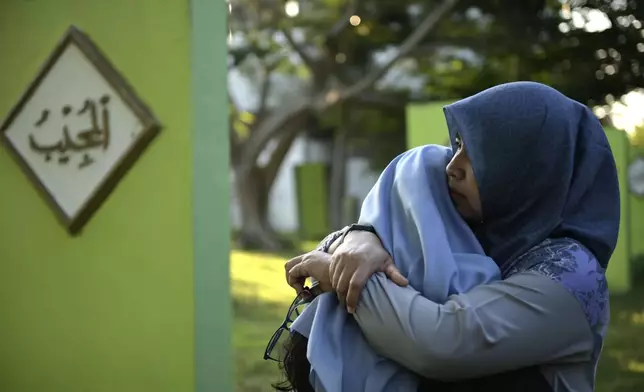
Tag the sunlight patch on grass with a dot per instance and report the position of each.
(260, 301)
(638, 319)
(636, 366)
(259, 276)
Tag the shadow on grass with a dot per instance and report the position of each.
(255, 322)
(621, 368)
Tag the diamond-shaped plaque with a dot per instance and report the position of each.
(77, 129)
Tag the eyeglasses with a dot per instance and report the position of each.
(277, 340)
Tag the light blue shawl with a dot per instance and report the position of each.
(433, 247)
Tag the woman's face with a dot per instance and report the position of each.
(462, 184)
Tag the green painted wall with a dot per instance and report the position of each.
(619, 272)
(213, 316)
(637, 216)
(112, 310)
(426, 125)
(312, 194)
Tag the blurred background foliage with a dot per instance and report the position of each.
(310, 61)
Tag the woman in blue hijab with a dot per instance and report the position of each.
(533, 173)
(411, 210)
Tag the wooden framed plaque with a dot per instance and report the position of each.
(77, 129)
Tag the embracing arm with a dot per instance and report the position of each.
(525, 320)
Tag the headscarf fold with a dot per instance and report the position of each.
(544, 169)
(433, 247)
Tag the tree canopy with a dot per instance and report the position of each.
(306, 59)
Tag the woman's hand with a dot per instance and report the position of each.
(314, 264)
(354, 261)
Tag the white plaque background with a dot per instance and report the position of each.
(71, 81)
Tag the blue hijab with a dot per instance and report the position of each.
(412, 212)
(544, 169)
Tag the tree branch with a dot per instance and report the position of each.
(233, 137)
(283, 147)
(380, 100)
(272, 124)
(343, 23)
(334, 32)
(234, 145)
(332, 46)
(479, 43)
(263, 91)
(309, 61)
(425, 27)
(265, 86)
(268, 127)
(337, 187)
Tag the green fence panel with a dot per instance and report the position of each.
(312, 199)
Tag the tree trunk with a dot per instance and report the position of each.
(253, 190)
(252, 194)
(338, 172)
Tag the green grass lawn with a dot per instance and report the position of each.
(260, 300)
(261, 297)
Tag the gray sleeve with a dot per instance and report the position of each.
(525, 320)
